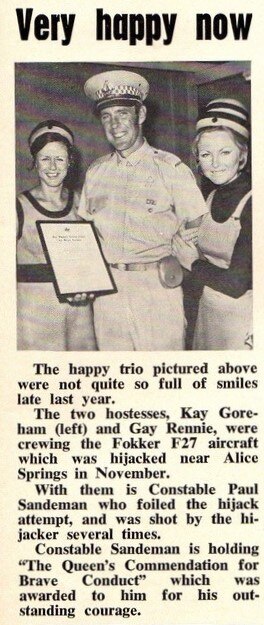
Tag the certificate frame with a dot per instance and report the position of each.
(73, 250)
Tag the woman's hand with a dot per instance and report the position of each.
(186, 252)
(81, 298)
(189, 235)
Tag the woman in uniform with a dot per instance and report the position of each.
(222, 263)
(43, 322)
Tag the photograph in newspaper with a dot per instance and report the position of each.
(179, 256)
(132, 139)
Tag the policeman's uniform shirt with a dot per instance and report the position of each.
(139, 202)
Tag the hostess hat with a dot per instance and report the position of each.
(50, 126)
(225, 112)
(115, 88)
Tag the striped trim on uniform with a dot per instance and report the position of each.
(20, 218)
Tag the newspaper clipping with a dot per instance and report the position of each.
(131, 317)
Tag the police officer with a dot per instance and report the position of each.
(138, 197)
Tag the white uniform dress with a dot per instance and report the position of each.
(223, 322)
(43, 322)
(137, 205)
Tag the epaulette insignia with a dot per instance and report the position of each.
(167, 157)
(100, 161)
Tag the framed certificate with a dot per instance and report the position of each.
(74, 252)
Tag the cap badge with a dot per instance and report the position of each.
(106, 87)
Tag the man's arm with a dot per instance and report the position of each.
(189, 203)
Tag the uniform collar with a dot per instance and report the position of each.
(135, 157)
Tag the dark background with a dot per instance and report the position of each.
(177, 91)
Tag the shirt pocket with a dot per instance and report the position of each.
(157, 200)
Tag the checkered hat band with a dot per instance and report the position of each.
(117, 90)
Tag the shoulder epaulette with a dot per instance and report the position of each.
(167, 157)
(100, 161)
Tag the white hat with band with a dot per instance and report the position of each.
(225, 112)
(117, 87)
(50, 126)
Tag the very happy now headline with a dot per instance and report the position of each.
(132, 28)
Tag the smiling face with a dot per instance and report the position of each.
(219, 156)
(52, 163)
(123, 127)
